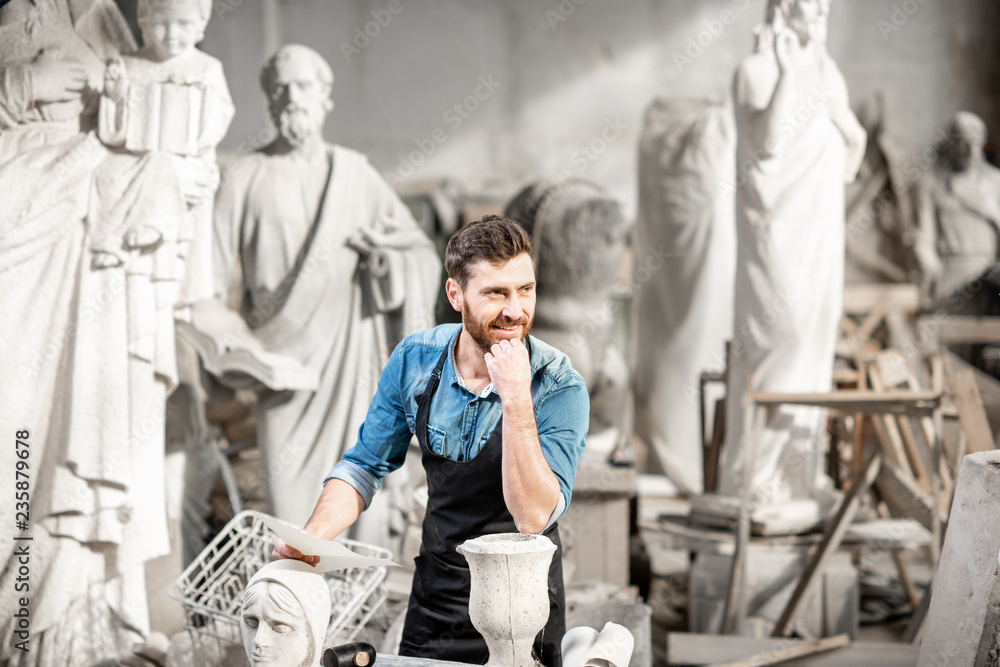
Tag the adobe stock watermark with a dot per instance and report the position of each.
(598, 318)
(454, 117)
(362, 37)
(913, 170)
(709, 33)
(753, 329)
(587, 154)
(223, 7)
(566, 8)
(789, 124)
(900, 16)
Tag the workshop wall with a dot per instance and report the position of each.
(562, 85)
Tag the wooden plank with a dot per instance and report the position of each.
(712, 454)
(861, 299)
(901, 566)
(833, 457)
(903, 338)
(962, 328)
(857, 456)
(853, 400)
(676, 533)
(832, 537)
(686, 649)
(903, 448)
(893, 369)
(891, 441)
(843, 375)
(971, 414)
(916, 455)
(781, 655)
(872, 321)
(903, 496)
(989, 391)
(915, 628)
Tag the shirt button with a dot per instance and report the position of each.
(465, 436)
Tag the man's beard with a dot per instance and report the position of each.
(297, 123)
(484, 335)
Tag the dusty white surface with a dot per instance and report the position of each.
(967, 568)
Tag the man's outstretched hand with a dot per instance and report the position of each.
(283, 551)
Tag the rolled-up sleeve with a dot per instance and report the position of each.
(562, 417)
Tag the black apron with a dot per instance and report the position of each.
(465, 500)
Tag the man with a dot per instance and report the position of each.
(333, 270)
(958, 212)
(501, 420)
(798, 142)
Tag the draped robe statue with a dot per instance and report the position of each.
(85, 373)
(334, 271)
(798, 142)
(314, 302)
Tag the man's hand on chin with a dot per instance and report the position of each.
(510, 369)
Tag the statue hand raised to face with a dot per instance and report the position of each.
(285, 614)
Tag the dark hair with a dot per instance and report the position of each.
(495, 239)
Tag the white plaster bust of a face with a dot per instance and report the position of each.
(285, 613)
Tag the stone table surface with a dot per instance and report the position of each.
(386, 660)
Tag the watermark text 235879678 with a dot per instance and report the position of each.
(22, 517)
(22, 479)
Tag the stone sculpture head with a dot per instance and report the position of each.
(808, 18)
(967, 136)
(285, 614)
(491, 280)
(172, 28)
(579, 234)
(298, 84)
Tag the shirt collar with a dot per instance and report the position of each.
(451, 373)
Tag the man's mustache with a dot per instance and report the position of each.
(507, 323)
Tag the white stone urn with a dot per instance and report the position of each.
(509, 598)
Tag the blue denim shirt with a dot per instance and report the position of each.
(460, 422)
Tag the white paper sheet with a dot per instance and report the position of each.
(333, 555)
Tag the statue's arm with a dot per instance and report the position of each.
(395, 227)
(15, 73)
(417, 271)
(925, 245)
(855, 136)
(228, 221)
(219, 108)
(763, 93)
(15, 95)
